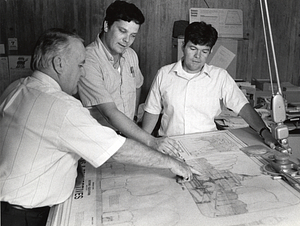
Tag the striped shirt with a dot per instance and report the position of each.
(104, 84)
(44, 132)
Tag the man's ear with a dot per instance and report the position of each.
(57, 63)
(211, 50)
(182, 46)
(105, 26)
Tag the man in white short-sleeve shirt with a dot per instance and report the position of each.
(189, 93)
(112, 85)
(45, 131)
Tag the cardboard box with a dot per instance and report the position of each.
(264, 84)
(176, 49)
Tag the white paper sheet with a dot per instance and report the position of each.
(232, 191)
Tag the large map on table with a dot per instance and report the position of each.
(231, 190)
(232, 186)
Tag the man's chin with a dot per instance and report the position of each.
(121, 49)
(74, 92)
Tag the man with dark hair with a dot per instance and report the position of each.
(45, 131)
(189, 93)
(112, 85)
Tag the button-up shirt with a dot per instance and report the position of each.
(103, 83)
(43, 133)
(190, 102)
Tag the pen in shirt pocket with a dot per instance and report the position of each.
(132, 72)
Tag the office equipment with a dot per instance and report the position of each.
(279, 129)
(276, 164)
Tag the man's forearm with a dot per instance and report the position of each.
(137, 102)
(252, 117)
(149, 122)
(130, 129)
(133, 152)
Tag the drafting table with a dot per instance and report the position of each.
(231, 191)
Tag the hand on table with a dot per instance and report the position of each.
(269, 139)
(181, 179)
(182, 170)
(168, 146)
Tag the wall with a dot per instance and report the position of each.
(26, 19)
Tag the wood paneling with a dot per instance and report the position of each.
(26, 20)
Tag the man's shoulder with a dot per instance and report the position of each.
(165, 73)
(67, 100)
(95, 54)
(167, 69)
(130, 53)
(130, 50)
(42, 96)
(94, 43)
(50, 93)
(216, 72)
(131, 56)
(168, 66)
(93, 47)
(213, 68)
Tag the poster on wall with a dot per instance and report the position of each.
(228, 22)
(19, 67)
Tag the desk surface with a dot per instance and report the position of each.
(231, 191)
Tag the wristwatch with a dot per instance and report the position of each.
(262, 130)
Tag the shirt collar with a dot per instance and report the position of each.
(178, 70)
(46, 79)
(205, 70)
(105, 50)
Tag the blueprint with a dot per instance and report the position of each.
(232, 185)
(231, 191)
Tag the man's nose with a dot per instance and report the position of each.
(126, 38)
(83, 72)
(197, 54)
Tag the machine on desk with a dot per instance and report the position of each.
(279, 163)
(278, 111)
(280, 166)
(276, 164)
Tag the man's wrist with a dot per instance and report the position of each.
(262, 130)
(171, 162)
(151, 142)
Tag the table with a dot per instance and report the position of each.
(231, 191)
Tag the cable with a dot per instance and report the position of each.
(272, 44)
(267, 46)
(206, 4)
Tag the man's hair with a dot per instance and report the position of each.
(121, 10)
(200, 33)
(51, 43)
